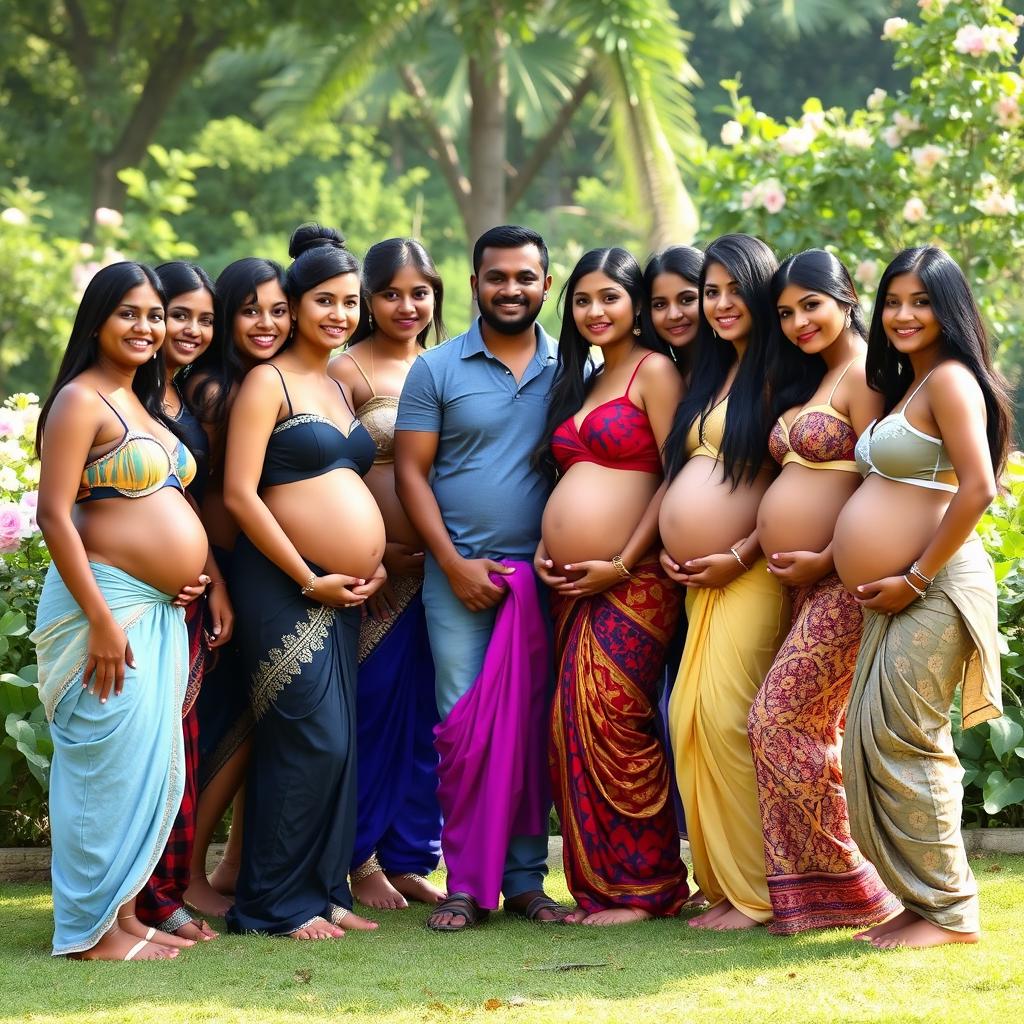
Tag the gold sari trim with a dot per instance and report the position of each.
(373, 630)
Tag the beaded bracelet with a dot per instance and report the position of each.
(307, 587)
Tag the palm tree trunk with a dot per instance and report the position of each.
(488, 135)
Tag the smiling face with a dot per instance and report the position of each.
(189, 328)
(810, 320)
(134, 331)
(907, 316)
(602, 309)
(404, 309)
(724, 307)
(674, 309)
(262, 324)
(510, 288)
(328, 314)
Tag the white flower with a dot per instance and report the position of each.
(970, 40)
(932, 6)
(892, 137)
(10, 451)
(28, 508)
(876, 99)
(107, 218)
(905, 122)
(1007, 111)
(732, 133)
(814, 120)
(866, 272)
(9, 480)
(10, 424)
(30, 474)
(795, 141)
(927, 157)
(914, 210)
(858, 138)
(12, 215)
(997, 38)
(893, 27)
(997, 204)
(86, 250)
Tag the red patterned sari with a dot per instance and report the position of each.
(609, 770)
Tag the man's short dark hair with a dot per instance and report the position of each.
(509, 236)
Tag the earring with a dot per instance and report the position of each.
(636, 328)
(849, 318)
(369, 319)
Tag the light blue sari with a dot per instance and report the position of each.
(118, 768)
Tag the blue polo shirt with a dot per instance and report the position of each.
(490, 496)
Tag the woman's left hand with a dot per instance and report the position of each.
(188, 594)
(712, 570)
(799, 568)
(595, 577)
(222, 616)
(890, 595)
(373, 584)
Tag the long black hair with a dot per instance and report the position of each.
(686, 261)
(571, 385)
(793, 376)
(219, 369)
(380, 264)
(179, 277)
(318, 253)
(963, 338)
(103, 295)
(751, 265)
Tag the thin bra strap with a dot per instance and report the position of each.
(362, 373)
(625, 394)
(344, 398)
(839, 381)
(110, 405)
(915, 391)
(287, 397)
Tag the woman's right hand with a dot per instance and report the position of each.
(335, 590)
(673, 570)
(544, 568)
(402, 560)
(108, 653)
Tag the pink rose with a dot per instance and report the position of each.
(10, 423)
(914, 210)
(773, 198)
(970, 40)
(1007, 111)
(893, 27)
(12, 525)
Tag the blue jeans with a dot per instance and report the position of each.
(458, 641)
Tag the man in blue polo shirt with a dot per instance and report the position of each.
(472, 413)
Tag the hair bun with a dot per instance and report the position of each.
(309, 236)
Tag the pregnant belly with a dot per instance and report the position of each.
(157, 539)
(702, 515)
(332, 520)
(593, 512)
(883, 528)
(800, 509)
(381, 483)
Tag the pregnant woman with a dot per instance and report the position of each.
(398, 826)
(817, 878)
(737, 611)
(614, 608)
(296, 456)
(112, 647)
(905, 547)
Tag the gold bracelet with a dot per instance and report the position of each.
(307, 587)
(735, 554)
(620, 568)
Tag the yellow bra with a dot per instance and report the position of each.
(708, 441)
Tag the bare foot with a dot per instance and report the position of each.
(618, 915)
(710, 915)
(900, 920)
(695, 900)
(117, 944)
(223, 877)
(343, 918)
(578, 916)
(733, 920)
(374, 890)
(197, 931)
(922, 935)
(202, 896)
(417, 888)
(135, 927)
(318, 928)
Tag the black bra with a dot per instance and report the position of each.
(305, 445)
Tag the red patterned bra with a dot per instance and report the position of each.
(616, 434)
(820, 437)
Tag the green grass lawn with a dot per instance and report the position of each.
(514, 971)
